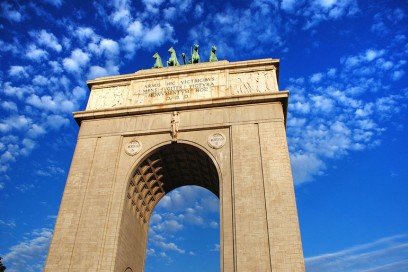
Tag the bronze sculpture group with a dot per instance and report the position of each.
(173, 61)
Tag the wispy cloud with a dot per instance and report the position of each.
(29, 254)
(388, 254)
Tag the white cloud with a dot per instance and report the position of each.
(198, 10)
(157, 35)
(150, 252)
(152, 6)
(7, 223)
(7, 157)
(77, 61)
(86, 34)
(44, 102)
(290, 5)
(168, 225)
(316, 77)
(120, 13)
(329, 117)
(305, 167)
(240, 31)
(51, 171)
(109, 47)
(191, 216)
(47, 39)
(79, 92)
(170, 13)
(40, 80)
(140, 36)
(170, 246)
(214, 224)
(396, 75)
(55, 66)
(155, 218)
(56, 121)
(18, 71)
(178, 199)
(386, 255)
(135, 29)
(29, 254)
(368, 56)
(8, 12)
(36, 131)
(23, 188)
(35, 53)
(27, 146)
(56, 3)
(216, 247)
(9, 105)
(19, 122)
(182, 5)
(98, 71)
(322, 103)
(2, 185)
(313, 12)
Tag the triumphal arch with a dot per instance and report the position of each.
(219, 125)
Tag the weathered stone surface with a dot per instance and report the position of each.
(218, 125)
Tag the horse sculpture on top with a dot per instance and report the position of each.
(158, 63)
(173, 58)
(173, 61)
(195, 57)
(213, 57)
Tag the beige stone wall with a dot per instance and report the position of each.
(96, 229)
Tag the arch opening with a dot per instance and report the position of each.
(167, 168)
(163, 170)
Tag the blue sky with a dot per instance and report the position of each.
(345, 63)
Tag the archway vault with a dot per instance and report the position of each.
(165, 169)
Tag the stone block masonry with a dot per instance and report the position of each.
(218, 125)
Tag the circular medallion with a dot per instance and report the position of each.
(133, 147)
(216, 140)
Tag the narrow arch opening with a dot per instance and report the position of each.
(157, 178)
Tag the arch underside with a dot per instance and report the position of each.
(168, 168)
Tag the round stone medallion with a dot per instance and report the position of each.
(216, 140)
(133, 147)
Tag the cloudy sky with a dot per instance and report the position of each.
(344, 62)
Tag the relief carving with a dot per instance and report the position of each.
(253, 82)
(107, 98)
(174, 127)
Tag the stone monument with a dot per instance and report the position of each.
(219, 125)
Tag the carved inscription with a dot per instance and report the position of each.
(216, 140)
(133, 147)
(173, 89)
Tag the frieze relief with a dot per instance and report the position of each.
(106, 98)
(253, 82)
(182, 88)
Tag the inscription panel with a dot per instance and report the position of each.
(183, 88)
(174, 89)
